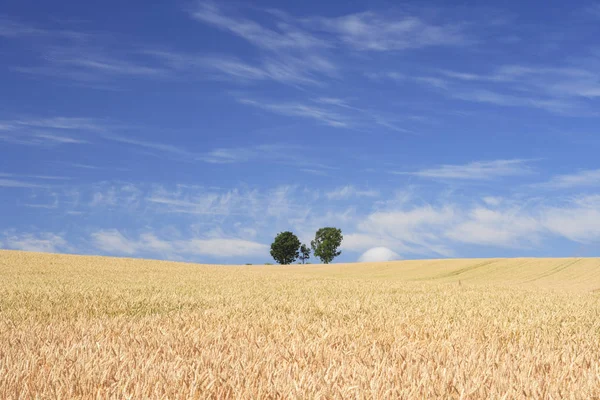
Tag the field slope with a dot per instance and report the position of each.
(98, 327)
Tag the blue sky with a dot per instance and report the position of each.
(198, 130)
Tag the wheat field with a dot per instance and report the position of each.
(74, 327)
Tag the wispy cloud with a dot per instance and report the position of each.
(388, 32)
(363, 118)
(61, 130)
(563, 89)
(12, 183)
(510, 228)
(479, 170)
(579, 179)
(99, 64)
(89, 66)
(285, 37)
(284, 68)
(44, 177)
(163, 149)
(577, 220)
(417, 230)
(114, 242)
(12, 29)
(508, 100)
(41, 242)
(370, 31)
(389, 75)
(271, 152)
(349, 191)
(47, 131)
(320, 114)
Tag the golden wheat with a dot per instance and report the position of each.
(91, 327)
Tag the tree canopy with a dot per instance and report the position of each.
(326, 243)
(285, 248)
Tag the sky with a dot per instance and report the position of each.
(198, 130)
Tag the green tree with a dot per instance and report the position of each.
(284, 248)
(326, 244)
(304, 253)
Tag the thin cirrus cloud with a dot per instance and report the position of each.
(15, 29)
(282, 68)
(45, 131)
(287, 37)
(585, 178)
(368, 31)
(350, 191)
(380, 32)
(310, 111)
(478, 170)
(58, 131)
(12, 183)
(558, 89)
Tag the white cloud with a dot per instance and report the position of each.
(357, 242)
(562, 90)
(500, 99)
(286, 37)
(479, 170)
(349, 191)
(272, 152)
(66, 123)
(507, 228)
(114, 242)
(11, 183)
(378, 254)
(387, 32)
(417, 230)
(46, 131)
(45, 242)
(239, 221)
(13, 29)
(578, 179)
(101, 64)
(206, 202)
(319, 114)
(368, 31)
(391, 75)
(578, 220)
(492, 201)
(284, 68)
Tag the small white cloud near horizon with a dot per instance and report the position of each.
(44, 242)
(379, 254)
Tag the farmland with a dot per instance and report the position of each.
(96, 327)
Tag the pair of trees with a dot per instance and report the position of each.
(286, 248)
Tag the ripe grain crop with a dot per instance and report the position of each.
(75, 327)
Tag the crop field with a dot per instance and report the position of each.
(75, 327)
